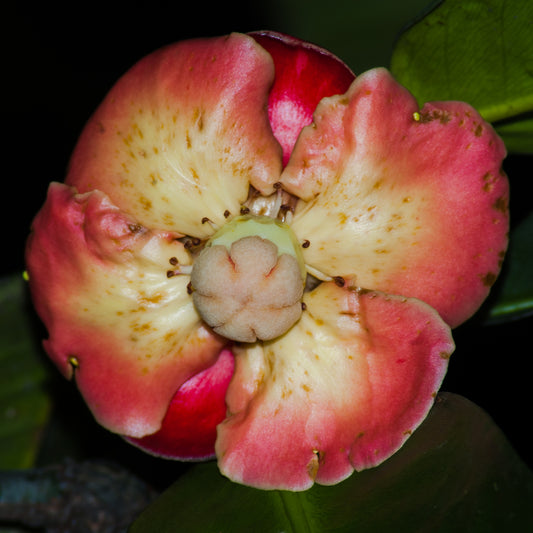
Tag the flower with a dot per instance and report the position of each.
(253, 246)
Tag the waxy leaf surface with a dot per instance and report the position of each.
(476, 51)
(24, 401)
(456, 473)
(514, 293)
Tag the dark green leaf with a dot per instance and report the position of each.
(361, 33)
(24, 402)
(517, 134)
(456, 473)
(477, 51)
(514, 297)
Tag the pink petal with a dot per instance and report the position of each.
(182, 135)
(407, 201)
(342, 390)
(305, 73)
(188, 431)
(128, 334)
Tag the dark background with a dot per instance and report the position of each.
(58, 63)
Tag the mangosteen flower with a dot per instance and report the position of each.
(259, 256)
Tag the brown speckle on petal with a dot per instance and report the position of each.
(488, 279)
(488, 182)
(501, 205)
(314, 464)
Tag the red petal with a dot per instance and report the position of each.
(188, 431)
(129, 334)
(409, 201)
(342, 390)
(305, 73)
(183, 134)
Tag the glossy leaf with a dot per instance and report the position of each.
(513, 297)
(518, 135)
(24, 401)
(477, 51)
(456, 473)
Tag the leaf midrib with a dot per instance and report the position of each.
(293, 504)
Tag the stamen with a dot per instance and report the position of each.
(190, 243)
(279, 196)
(245, 210)
(135, 228)
(211, 223)
(339, 281)
(317, 274)
(182, 269)
(306, 244)
(285, 213)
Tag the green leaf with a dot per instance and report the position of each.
(456, 473)
(517, 134)
(514, 294)
(24, 401)
(477, 51)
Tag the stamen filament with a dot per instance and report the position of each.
(211, 223)
(182, 269)
(317, 273)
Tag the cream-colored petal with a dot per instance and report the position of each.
(128, 333)
(183, 134)
(408, 201)
(342, 390)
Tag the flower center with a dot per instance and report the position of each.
(248, 281)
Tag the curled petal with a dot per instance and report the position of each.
(305, 73)
(188, 431)
(128, 334)
(342, 390)
(409, 201)
(182, 135)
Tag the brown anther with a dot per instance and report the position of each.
(245, 210)
(226, 213)
(205, 219)
(339, 281)
(190, 243)
(306, 244)
(171, 273)
(189, 288)
(173, 261)
(304, 306)
(285, 207)
(135, 228)
(277, 185)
